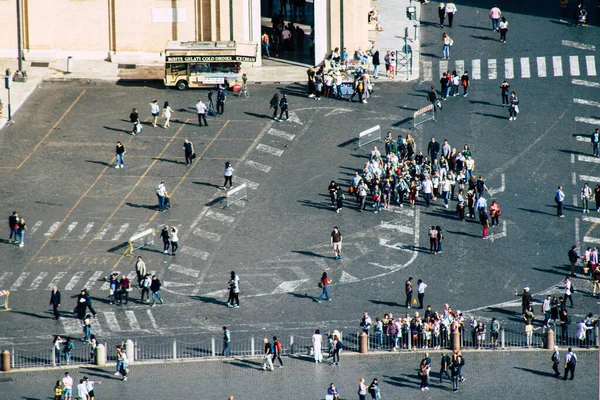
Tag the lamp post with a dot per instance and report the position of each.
(20, 76)
(7, 84)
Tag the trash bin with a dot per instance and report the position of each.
(5, 367)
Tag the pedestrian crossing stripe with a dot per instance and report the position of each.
(577, 66)
(108, 322)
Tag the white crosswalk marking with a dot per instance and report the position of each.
(93, 279)
(184, 270)
(590, 65)
(86, 230)
(589, 159)
(574, 65)
(587, 102)
(588, 178)
(215, 237)
(74, 280)
(38, 281)
(476, 69)
(443, 67)
(141, 228)
(580, 46)
(258, 166)
(294, 118)
(35, 227)
(56, 279)
(591, 121)
(111, 319)
(152, 320)
(220, 217)
(121, 231)
(525, 70)
(72, 326)
(398, 228)
(594, 220)
(203, 255)
(585, 83)
(557, 65)
(17, 284)
(281, 134)
(268, 149)
(5, 276)
(492, 69)
(249, 183)
(589, 239)
(541, 67)
(133, 322)
(460, 66)
(427, 68)
(509, 72)
(52, 229)
(70, 228)
(102, 233)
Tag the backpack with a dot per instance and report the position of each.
(273, 102)
(573, 360)
(572, 288)
(279, 346)
(272, 349)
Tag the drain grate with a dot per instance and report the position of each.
(40, 64)
(126, 66)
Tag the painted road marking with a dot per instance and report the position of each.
(573, 175)
(281, 134)
(589, 239)
(501, 188)
(142, 227)
(499, 235)
(476, 69)
(56, 279)
(268, 149)
(220, 217)
(258, 166)
(574, 65)
(184, 270)
(589, 159)
(52, 229)
(460, 66)
(525, 70)
(4, 276)
(443, 67)
(93, 279)
(74, 280)
(102, 233)
(152, 320)
(347, 278)
(581, 46)
(215, 237)
(427, 67)
(111, 319)
(299, 272)
(35, 227)
(294, 118)
(541, 67)
(19, 281)
(288, 286)
(594, 220)
(509, 72)
(587, 102)
(195, 252)
(590, 65)
(86, 230)
(133, 322)
(399, 228)
(37, 281)
(588, 178)
(582, 139)
(121, 231)
(249, 183)
(492, 69)
(70, 228)
(72, 326)
(591, 121)
(401, 210)
(557, 65)
(585, 83)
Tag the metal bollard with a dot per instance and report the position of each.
(100, 355)
(597, 331)
(130, 350)
(5, 361)
(213, 347)
(502, 341)
(456, 340)
(292, 344)
(363, 343)
(549, 339)
(69, 64)
(252, 350)
(174, 349)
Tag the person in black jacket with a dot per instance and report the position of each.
(433, 99)
(155, 289)
(283, 105)
(55, 301)
(376, 64)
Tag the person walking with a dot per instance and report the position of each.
(21, 228)
(274, 104)
(134, 118)
(504, 93)
(362, 389)
(201, 111)
(81, 305)
(446, 43)
(442, 14)
(465, 83)
(234, 291)
(155, 110)
(55, 301)
(221, 99)
(146, 283)
(174, 240)
(188, 151)
(120, 154)
(161, 192)
(513, 108)
(140, 270)
(166, 238)
(374, 390)
(573, 258)
(226, 343)
(124, 370)
(228, 175)
(421, 286)
(495, 14)
(559, 198)
(67, 382)
(432, 233)
(595, 142)
(503, 28)
(568, 286)
(324, 284)
(268, 356)
(167, 113)
(155, 289)
(424, 374)
(317, 341)
(450, 11)
(336, 242)
(277, 347)
(485, 221)
(570, 364)
(283, 106)
(13, 225)
(408, 290)
(90, 387)
(585, 196)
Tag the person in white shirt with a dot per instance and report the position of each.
(546, 309)
(161, 191)
(68, 385)
(90, 387)
(317, 340)
(586, 195)
(421, 292)
(155, 110)
(450, 10)
(82, 392)
(228, 174)
(201, 110)
(365, 322)
(124, 365)
(427, 189)
(174, 240)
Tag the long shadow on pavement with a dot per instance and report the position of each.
(40, 316)
(207, 184)
(105, 164)
(116, 129)
(309, 253)
(167, 160)
(536, 372)
(554, 271)
(209, 300)
(483, 37)
(407, 381)
(476, 27)
(464, 234)
(147, 206)
(491, 115)
(309, 203)
(386, 303)
(302, 296)
(243, 363)
(536, 211)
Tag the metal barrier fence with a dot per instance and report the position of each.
(511, 335)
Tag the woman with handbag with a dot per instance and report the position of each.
(495, 213)
(324, 284)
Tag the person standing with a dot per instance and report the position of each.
(503, 28)
(120, 154)
(140, 270)
(55, 301)
(336, 242)
(421, 286)
(408, 290)
(337, 348)
(283, 106)
(546, 309)
(167, 113)
(480, 335)
(226, 343)
(495, 213)
(568, 286)
(166, 238)
(432, 233)
(228, 174)
(146, 283)
(332, 392)
(427, 190)
(513, 108)
(81, 305)
(485, 221)
(21, 228)
(573, 258)
(90, 387)
(504, 93)
(82, 392)
(570, 363)
(595, 141)
(268, 356)
(125, 285)
(155, 289)
(234, 291)
(495, 14)
(585, 196)
(277, 347)
(444, 367)
(465, 83)
(365, 322)
(450, 11)
(555, 362)
(188, 150)
(442, 14)
(390, 65)
(124, 365)
(58, 390)
(559, 198)
(494, 333)
(274, 104)
(155, 110)
(134, 118)
(221, 99)
(324, 284)
(446, 43)
(68, 386)
(376, 64)
(13, 225)
(596, 282)
(317, 341)
(174, 240)
(424, 374)
(201, 110)
(362, 389)
(161, 192)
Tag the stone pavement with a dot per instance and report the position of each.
(512, 374)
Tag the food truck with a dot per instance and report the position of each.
(206, 64)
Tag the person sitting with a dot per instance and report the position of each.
(335, 57)
(359, 55)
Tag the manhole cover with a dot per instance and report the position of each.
(40, 64)
(127, 66)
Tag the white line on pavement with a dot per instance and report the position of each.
(582, 139)
(574, 178)
(492, 69)
(220, 217)
(281, 134)
(557, 65)
(347, 278)
(589, 239)
(133, 322)
(35, 227)
(37, 281)
(102, 233)
(294, 118)
(499, 235)
(52, 229)
(590, 65)
(288, 286)
(525, 69)
(574, 65)
(86, 230)
(574, 200)
(427, 75)
(587, 102)
(443, 67)
(56, 279)
(203, 255)
(93, 279)
(460, 66)
(184, 270)
(541, 67)
(70, 228)
(4, 276)
(71, 326)
(258, 166)
(268, 149)
(577, 232)
(509, 72)
(249, 183)
(573, 160)
(591, 121)
(111, 319)
(153, 320)
(19, 281)
(476, 69)
(399, 228)
(502, 187)
(585, 83)
(74, 280)
(121, 231)
(594, 220)
(215, 237)
(581, 46)
(589, 159)
(588, 178)
(299, 272)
